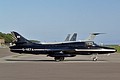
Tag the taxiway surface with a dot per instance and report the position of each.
(39, 67)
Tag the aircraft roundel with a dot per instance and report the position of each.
(18, 36)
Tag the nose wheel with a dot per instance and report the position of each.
(94, 57)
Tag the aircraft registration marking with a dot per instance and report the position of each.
(31, 49)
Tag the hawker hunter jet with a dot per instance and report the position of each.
(58, 50)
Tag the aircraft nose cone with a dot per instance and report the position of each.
(113, 50)
(109, 50)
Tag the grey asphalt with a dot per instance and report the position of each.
(40, 67)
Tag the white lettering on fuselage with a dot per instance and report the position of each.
(31, 49)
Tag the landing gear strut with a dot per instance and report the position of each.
(59, 58)
(95, 58)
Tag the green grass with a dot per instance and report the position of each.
(116, 47)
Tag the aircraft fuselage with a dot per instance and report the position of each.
(82, 48)
(58, 50)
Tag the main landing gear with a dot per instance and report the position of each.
(59, 58)
(95, 58)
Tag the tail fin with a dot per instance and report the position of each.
(19, 39)
(93, 35)
(74, 37)
(68, 37)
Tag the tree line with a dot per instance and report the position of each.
(7, 37)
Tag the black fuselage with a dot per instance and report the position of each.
(81, 48)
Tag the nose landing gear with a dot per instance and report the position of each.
(94, 57)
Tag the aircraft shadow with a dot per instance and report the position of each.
(84, 60)
(26, 60)
(52, 60)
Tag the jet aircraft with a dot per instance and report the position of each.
(58, 50)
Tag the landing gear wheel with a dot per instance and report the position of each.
(62, 58)
(59, 59)
(95, 59)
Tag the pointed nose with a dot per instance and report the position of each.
(112, 50)
(109, 50)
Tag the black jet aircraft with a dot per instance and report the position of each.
(58, 50)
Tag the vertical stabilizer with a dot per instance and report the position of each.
(68, 37)
(92, 36)
(18, 38)
(74, 37)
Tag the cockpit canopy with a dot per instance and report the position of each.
(90, 43)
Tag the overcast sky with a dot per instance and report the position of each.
(52, 20)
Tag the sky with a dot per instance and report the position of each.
(52, 20)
